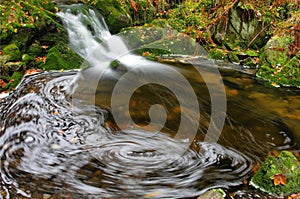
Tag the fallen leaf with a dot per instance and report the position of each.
(279, 179)
(2, 83)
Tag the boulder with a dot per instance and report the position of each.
(278, 176)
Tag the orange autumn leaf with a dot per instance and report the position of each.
(2, 83)
(279, 179)
(133, 5)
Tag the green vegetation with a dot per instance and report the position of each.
(61, 57)
(29, 31)
(278, 176)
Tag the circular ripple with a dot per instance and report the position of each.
(49, 147)
(140, 163)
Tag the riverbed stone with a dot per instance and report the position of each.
(213, 194)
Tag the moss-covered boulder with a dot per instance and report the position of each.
(13, 52)
(244, 28)
(277, 64)
(61, 57)
(151, 41)
(116, 13)
(278, 176)
(276, 51)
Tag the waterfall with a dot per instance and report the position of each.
(91, 39)
(89, 35)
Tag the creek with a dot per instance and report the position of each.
(143, 129)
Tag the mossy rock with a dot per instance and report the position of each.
(232, 56)
(177, 44)
(217, 54)
(135, 37)
(115, 14)
(13, 52)
(155, 41)
(61, 57)
(23, 37)
(276, 51)
(276, 65)
(285, 169)
(27, 58)
(35, 49)
(13, 81)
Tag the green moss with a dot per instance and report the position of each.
(13, 81)
(27, 58)
(251, 53)
(287, 165)
(139, 36)
(12, 51)
(233, 57)
(61, 57)
(216, 54)
(16, 79)
(35, 49)
(115, 13)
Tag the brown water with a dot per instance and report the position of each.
(53, 149)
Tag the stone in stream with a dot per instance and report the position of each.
(278, 176)
(213, 194)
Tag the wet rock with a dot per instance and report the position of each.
(214, 193)
(278, 176)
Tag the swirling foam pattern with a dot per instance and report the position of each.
(49, 148)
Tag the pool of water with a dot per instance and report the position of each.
(54, 144)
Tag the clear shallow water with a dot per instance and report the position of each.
(50, 148)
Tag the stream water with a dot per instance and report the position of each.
(61, 138)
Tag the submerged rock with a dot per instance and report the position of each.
(214, 193)
(278, 176)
